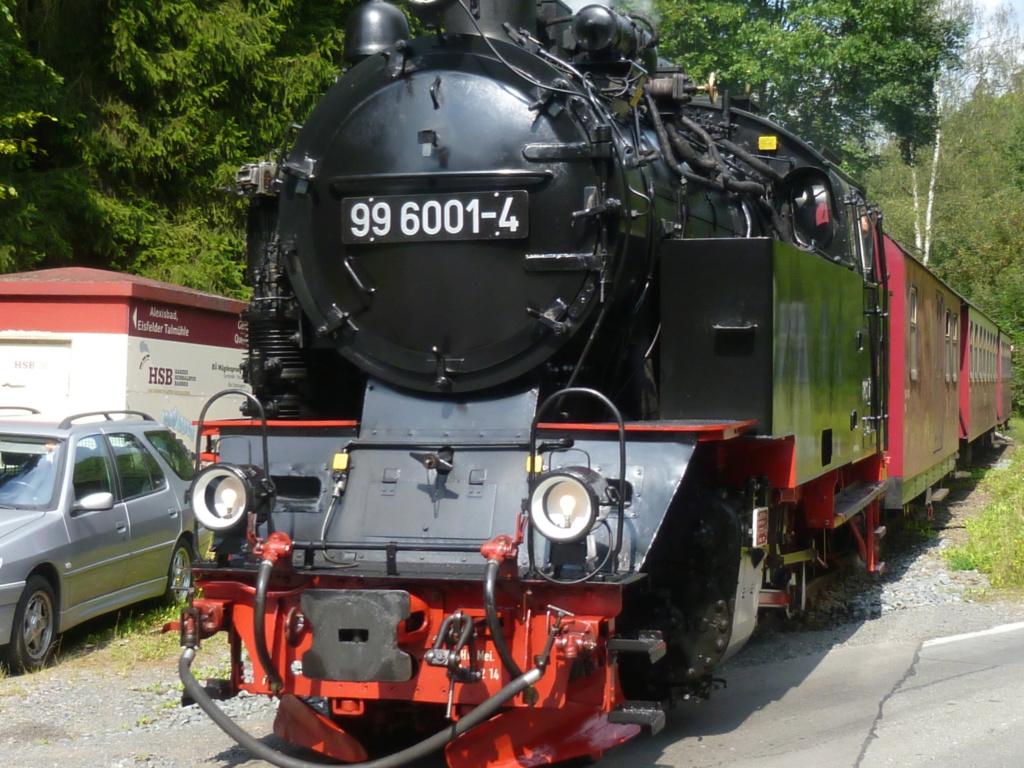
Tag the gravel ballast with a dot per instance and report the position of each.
(86, 713)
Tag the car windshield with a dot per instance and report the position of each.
(28, 471)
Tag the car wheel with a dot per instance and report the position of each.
(35, 627)
(179, 572)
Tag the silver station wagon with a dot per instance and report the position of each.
(92, 519)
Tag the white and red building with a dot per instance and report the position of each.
(75, 339)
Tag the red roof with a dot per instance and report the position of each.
(84, 281)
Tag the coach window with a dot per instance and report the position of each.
(912, 313)
(993, 355)
(983, 354)
(980, 344)
(974, 352)
(949, 346)
(990, 354)
(941, 366)
(954, 346)
(972, 365)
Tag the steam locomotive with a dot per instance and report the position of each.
(563, 368)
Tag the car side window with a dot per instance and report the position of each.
(167, 445)
(138, 470)
(92, 468)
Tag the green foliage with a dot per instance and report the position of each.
(29, 89)
(996, 544)
(978, 237)
(832, 71)
(160, 101)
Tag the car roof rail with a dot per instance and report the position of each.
(24, 408)
(108, 415)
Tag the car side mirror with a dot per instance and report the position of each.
(94, 502)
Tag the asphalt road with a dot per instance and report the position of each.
(950, 702)
(962, 705)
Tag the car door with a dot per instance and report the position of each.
(154, 516)
(93, 565)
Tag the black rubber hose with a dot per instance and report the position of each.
(481, 713)
(696, 128)
(664, 142)
(493, 623)
(703, 165)
(756, 163)
(702, 181)
(778, 224)
(259, 610)
(747, 187)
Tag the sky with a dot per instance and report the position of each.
(1017, 5)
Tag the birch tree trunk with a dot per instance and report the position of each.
(926, 251)
(918, 234)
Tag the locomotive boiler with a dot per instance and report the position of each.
(562, 368)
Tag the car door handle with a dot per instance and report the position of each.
(172, 511)
(122, 527)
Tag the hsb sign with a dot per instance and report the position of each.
(161, 375)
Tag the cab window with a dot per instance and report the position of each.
(813, 214)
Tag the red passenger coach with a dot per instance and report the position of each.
(1004, 400)
(980, 403)
(924, 377)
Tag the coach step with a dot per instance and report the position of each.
(649, 642)
(647, 714)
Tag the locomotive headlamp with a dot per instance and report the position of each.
(566, 503)
(223, 494)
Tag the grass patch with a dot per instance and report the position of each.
(132, 639)
(996, 544)
(123, 640)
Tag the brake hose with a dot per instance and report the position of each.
(259, 609)
(493, 622)
(481, 713)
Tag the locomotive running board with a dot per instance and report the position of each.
(853, 499)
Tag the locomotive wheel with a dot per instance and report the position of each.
(179, 572)
(34, 629)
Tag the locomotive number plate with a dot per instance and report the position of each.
(417, 218)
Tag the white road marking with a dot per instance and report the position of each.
(971, 635)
